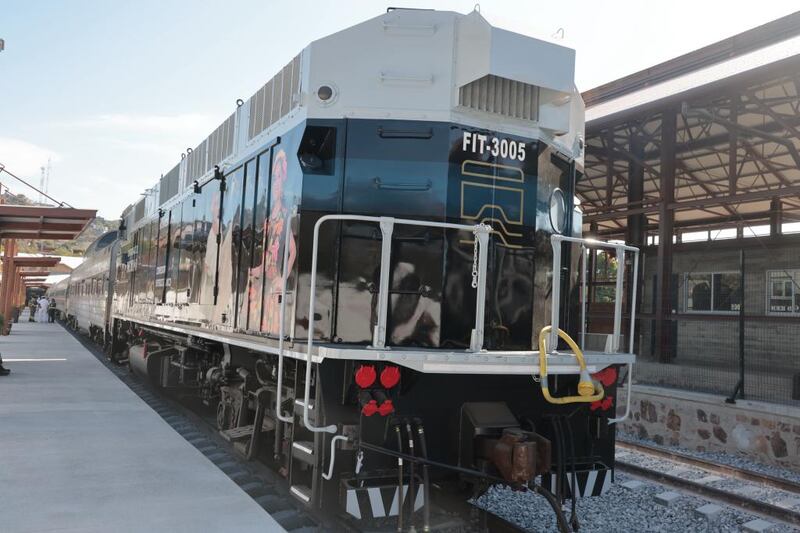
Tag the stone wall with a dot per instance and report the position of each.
(765, 432)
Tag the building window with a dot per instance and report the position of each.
(605, 277)
(713, 292)
(783, 292)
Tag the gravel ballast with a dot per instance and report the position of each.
(735, 460)
(619, 509)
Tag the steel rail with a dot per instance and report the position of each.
(745, 503)
(727, 470)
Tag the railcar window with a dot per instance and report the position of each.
(317, 150)
(259, 227)
(185, 245)
(246, 249)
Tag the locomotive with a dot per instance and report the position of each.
(364, 268)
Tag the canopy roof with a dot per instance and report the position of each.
(38, 222)
(22, 261)
(731, 142)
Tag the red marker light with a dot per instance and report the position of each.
(390, 376)
(365, 376)
(370, 408)
(607, 376)
(386, 408)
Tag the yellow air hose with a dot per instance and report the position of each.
(588, 391)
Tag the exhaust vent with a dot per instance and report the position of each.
(210, 152)
(501, 96)
(275, 99)
(169, 185)
(138, 211)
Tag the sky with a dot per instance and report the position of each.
(111, 92)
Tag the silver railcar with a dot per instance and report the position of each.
(90, 287)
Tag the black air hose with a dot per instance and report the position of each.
(399, 476)
(423, 451)
(411, 479)
(574, 518)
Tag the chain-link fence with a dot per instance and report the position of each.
(734, 320)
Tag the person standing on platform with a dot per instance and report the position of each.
(51, 311)
(32, 309)
(41, 315)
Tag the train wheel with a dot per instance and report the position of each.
(223, 415)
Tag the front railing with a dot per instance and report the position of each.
(387, 224)
(586, 246)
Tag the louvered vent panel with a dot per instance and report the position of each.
(275, 99)
(196, 163)
(169, 185)
(501, 96)
(220, 144)
(138, 211)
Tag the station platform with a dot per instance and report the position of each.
(80, 452)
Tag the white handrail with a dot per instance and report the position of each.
(481, 232)
(635, 279)
(556, 241)
(282, 317)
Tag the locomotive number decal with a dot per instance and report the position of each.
(477, 143)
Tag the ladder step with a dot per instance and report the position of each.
(245, 432)
(301, 492)
(303, 451)
(234, 434)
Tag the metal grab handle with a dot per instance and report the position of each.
(400, 186)
(481, 233)
(281, 317)
(555, 294)
(628, 401)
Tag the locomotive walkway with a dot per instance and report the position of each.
(79, 451)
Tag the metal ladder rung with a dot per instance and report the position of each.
(301, 492)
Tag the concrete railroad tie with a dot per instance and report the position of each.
(666, 498)
(757, 526)
(708, 511)
(633, 485)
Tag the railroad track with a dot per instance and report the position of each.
(706, 490)
(261, 483)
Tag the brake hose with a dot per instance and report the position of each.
(423, 450)
(574, 518)
(588, 391)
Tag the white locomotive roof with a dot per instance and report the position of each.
(407, 65)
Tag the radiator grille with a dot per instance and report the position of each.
(169, 185)
(220, 143)
(138, 211)
(196, 163)
(275, 99)
(211, 151)
(501, 96)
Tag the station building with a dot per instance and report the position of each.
(697, 161)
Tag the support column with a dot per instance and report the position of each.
(634, 234)
(733, 140)
(666, 221)
(775, 217)
(6, 287)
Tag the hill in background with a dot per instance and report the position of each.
(75, 247)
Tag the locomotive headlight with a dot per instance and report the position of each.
(327, 94)
(558, 210)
